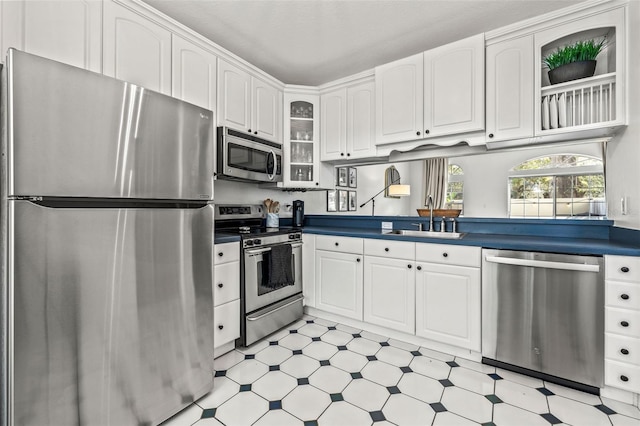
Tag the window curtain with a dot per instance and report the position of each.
(435, 181)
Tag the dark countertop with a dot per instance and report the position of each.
(585, 246)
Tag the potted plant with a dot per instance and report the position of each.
(574, 61)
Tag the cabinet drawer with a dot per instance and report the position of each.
(227, 252)
(339, 244)
(226, 321)
(622, 321)
(226, 283)
(449, 254)
(622, 376)
(622, 348)
(393, 249)
(622, 295)
(622, 268)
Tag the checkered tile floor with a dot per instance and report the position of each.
(316, 372)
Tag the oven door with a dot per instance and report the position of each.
(251, 160)
(256, 268)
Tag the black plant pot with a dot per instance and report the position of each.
(572, 71)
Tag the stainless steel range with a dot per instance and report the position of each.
(270, 271)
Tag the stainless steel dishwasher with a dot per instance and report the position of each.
(543, 315)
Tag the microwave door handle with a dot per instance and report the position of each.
(271, 175)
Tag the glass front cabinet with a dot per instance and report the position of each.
(301, 142)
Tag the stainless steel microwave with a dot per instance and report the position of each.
(247, 158)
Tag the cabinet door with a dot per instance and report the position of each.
(65, 31)
(454, 87)
(309, 269)
(193, 74)
(136, 49)
(339, 283)
(510, 89)
(267, 110)
(448, 304)
(234, 97)
(399, 100)
(333, 125)
(361, 104)
(389, 293)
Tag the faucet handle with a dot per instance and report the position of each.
(419, 225)
(454, 222)
(443, 224)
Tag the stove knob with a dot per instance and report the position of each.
(248, 243)
(257, 241)
(292, 236)
(298, 235)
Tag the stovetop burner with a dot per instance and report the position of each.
(247, 222)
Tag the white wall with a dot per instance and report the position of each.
(231, 192)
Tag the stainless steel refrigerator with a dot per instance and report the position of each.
(107, 240)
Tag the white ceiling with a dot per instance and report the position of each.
(312, 42)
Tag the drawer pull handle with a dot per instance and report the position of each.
(220, 327)
(386, 249)
(220, 285)
(445, 254)
(624, 269)
(409, 266)
(624, 323)
(624, 296)
(220, 254)
(336, 244)
(624, 351)
(358, 260)
(624, 378)
(419, 268)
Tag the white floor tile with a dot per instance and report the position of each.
(363, 346)
(325, 322)
(348, 329)
(223, 389)
(622, 408)
(394, 356)
(343, 413)
(372, 336)
(576, 413)
(337, 337)
(532, 382)
(256, 347)
(467, 404)
(186, 417)
(312, 330)
(306, 402)
(300, 366)
(404, 410)
(274, 355)
(433, 368)
(248, 371)
(298, 324)
(209, 421)
(521, 396)
(506, 414)
(436, 355)
(320, 350)
(421, 387)
(621, 420)
(475, 366)
(243, 409)
(349, 361)
(274, 385)
(382, 373)
(278, 418)
(330, 379)
(576, 395)
(295, 341)
(449, 419)
(472, 380)
(278, 335)
(227, 360)
(366, 395)
(403, 345)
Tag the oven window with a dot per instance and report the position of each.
(264, 272)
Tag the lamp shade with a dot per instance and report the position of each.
(399, 190)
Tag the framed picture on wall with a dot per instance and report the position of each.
(341, 176)
(343, 200)
(353, 177)
(332, 201)
(353, 201)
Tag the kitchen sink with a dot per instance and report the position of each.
(428, 234)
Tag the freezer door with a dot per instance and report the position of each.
(75, 133)
(111, 313)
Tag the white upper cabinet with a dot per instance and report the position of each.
(66, 31)
(193, 74)
(247, 103)
(136, 49)
(510, 89)
(333, 125)
(454, 87)
(399, 100)
(361, 104)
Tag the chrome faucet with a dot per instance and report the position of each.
(430, 205)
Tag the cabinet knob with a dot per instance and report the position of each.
(249, 130)
(624, 323)
(624, 351)
(419, 268)
(624, 378)
(317, 183)
(221, 254)
(386, 249)
(490, 135)
(624, 269)
(426, 132)
(409, 266)
(337, 244)
(445, 254)
(418, 133)
(624, 296)
(220, 285)
(220, 327)
(255, 133)
(348, 154)
(358, 260)
(342, 154)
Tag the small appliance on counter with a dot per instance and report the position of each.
(298, 213)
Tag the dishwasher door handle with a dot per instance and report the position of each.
(543, 264)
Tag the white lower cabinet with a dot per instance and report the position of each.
(226, 296)
(339, 276)
(226, 320)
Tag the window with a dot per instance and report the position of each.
(558, 186)
(455, 187)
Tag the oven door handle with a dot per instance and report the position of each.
(274, 310)
(296, 245)
(256, 252)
